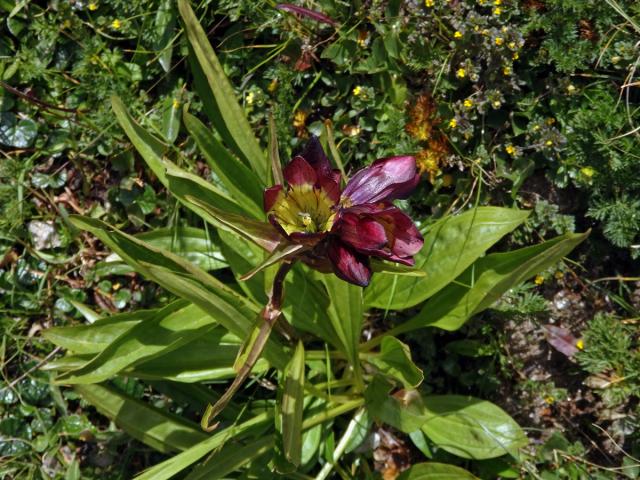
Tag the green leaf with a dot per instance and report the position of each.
(345, 314)
(159, 429)
(146, 340)
(450, 246)
(171, 120)
(292, 406)
(18, 134)
(395, 361)
(193, 244)
(403, 410)
(224, 111)
(239, 180)
(176, 464)
(486, 281)
(282, 253)
(231, 310)
(471, 428)
(436, 471)
(164, 27)
(86, 339)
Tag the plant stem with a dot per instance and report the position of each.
(332, 413)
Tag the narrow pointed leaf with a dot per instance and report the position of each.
(159, 429)
(274, 153)
(283, 253)
(436, 471)
(379, 266)
(229, 118)
(292, 407)
(243, 184)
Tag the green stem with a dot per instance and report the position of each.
(332, 413)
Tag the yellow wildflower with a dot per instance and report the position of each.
(587, 172)
(66, 23)
(116, 286)
(580, 344)
(499, 41)
(357, 91)
(251, 97)
(299, 119)
(496, 104)
(510, 149)
(497, 2)
(571, 88)
(458, 34)
(512, 45)
(461, 73)
(539, 280)
(429, 3)
(93, 6)
(516, 56)
(468, 103)
(497, 11)
(559, 275)
(273, 85)
(548, 143)
(549, 399)
(116, 24)
(176, 104)
(453, 123)
(506, 71)
(550, 121)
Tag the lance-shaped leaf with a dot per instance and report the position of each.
(305, 12)
(436, 471)
(486, 281)
(274, 153)
(231, 310)
(450, 246)
(261, 233)
(292, 406)
(237, 178)
(227, 115)
(378, 266)
(282, 253)
(157, 428)
(395, 361)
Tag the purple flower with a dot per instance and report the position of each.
(341, 230)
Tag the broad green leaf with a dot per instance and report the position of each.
(164, 27)
(193, 244)
(176, 464)
(227, 115)
(236, 177)
(208, 357)
(395, 361)
(231, 310)
(159, 429)
(403, 410)
(471, 428)
(436, 471)
(292, 407)
(231, 458)
(450, 246)
(146, 340)
(346, 314)
(486, 281)
(85, 339)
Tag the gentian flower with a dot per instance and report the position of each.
(340, 230)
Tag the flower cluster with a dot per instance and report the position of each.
(340, 230)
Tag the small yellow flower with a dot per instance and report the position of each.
(516, 56)
(510, 149)
(429, 3)
(116, 286)
(273, 86)
(496, 104)
(458, 34)
(559, 275)
(580, 344)
(116, 24)
(504, 29)
(468, 103)
(497, 11)
(66, 23)
(357, 91)
(93, 6)
(571, 88)
(550, 121)
(176, 104)
(549, 399)
(539, 280)
(480, 2)
(251, 97)
(512, 45)
(453, 123)
(548, 143)
(497, 2)
(353, 130)
(476, 28)
(499, 41)
(461, 73)
(299, 118)
(587, 172)
(536, 128)
(506, 71)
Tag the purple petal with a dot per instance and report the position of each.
(362, 233)
(305, 12)
(349, 265)
(271, 196)
(385, 180)
(299, 172)
(561, 339)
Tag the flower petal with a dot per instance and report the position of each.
(299, 172)
(315, 156)
(271, 196)
(349, 265)
(385, 180)
(362, 233)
